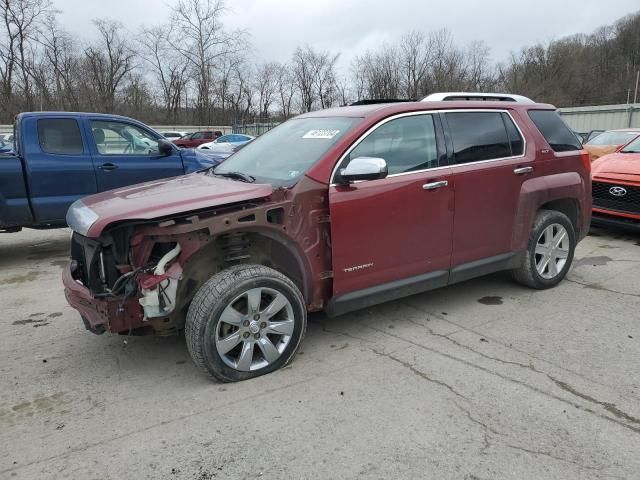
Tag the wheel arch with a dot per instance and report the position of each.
(257, 245)
(561, 192)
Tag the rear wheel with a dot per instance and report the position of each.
(244, 322)
(549, 252)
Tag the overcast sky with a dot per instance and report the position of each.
(276, 27)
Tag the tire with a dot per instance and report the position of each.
(529, 272)
(244, 309)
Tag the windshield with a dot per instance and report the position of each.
(633, 147)
(282, 155)
(612, 138)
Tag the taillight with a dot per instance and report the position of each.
(584, 155)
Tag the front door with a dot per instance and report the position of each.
(125, 154)
(397, 228)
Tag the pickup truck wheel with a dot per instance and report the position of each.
(244, 322)
(549, 253)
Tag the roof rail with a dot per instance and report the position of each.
(476, 96)
(373, 101)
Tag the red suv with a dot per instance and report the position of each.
(198, 138)
(333, 210)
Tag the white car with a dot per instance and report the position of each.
(227, 143)
(173, 135)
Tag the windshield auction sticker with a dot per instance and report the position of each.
(321, 134)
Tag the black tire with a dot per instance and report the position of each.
(527, 273)
(215, 295)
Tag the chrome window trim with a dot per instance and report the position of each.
(431, 112)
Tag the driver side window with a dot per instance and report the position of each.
(407, 144)
(115, 138)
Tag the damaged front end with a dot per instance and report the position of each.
(115, 293)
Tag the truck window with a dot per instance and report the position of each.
(407, 144)
(60, 136)
(478, 136)
(554, 130)
(117, 138)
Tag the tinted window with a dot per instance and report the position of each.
(478, 136)
(115, 138)
(197, 136)
(208, 135)
(406, 144)
(60, 136)
(517, 143)
(554, 130)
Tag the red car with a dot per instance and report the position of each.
(333, 210)
(198, 138)
(616, 187)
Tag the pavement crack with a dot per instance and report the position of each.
(419, 373)
(549, 454)
(486, 429)
(467, 347)
(609, 407)
(595, 286)
(617, 421)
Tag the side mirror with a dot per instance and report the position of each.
(364, 168)
(165, 148)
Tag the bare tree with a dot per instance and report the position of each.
(169, 68)
(314, 74)
(21, 20)
(415, 60)
(199, 35)
(266, 87)
(286, 86)
(108, 61)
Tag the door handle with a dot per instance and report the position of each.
(107, 167)
(434, 185)
(522, 170)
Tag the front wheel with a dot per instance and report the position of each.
(244, 322)
(549, 252)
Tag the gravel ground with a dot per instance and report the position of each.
(482, 380)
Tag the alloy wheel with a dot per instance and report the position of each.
(552, 251)
(254, 329)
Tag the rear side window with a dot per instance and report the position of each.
(517, 143)
(208, 135)
(478, 136)
(554, 130)
(60, 136)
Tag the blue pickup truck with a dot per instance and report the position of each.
(59, 157)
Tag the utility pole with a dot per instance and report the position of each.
(635, 95)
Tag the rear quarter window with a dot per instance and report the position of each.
(554, 130)
(60, 136)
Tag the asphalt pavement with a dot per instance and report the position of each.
(479, 381)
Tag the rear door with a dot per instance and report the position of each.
(125, 154)
(58, 166)
(489, 162)
(398, 227)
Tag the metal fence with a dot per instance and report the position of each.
(602, 117)
(254, 129)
